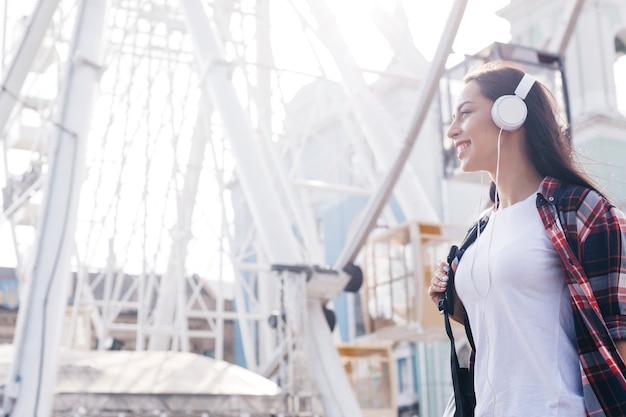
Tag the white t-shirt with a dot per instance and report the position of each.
(518, 304)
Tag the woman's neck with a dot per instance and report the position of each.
(517, 177)
(516, 186)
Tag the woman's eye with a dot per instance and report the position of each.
(461, 114)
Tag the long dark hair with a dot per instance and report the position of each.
(548, 149)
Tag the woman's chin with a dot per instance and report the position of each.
(465, 167)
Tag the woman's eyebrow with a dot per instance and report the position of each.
(460, 106)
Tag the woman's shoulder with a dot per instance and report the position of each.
(582, 209)
(575, 197)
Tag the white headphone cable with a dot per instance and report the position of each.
(489, 270)
(489, 274)
(496, 202)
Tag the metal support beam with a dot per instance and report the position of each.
(563, 34)
(32, 377)
(25, 56)
(170, 313)
(382, 132)
(427, 92)
(270, 218)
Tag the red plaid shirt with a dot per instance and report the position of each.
(589, 235)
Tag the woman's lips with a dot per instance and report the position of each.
(460, 147)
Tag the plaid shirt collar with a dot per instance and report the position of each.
(548, 188)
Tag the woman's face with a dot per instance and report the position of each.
(474, 134)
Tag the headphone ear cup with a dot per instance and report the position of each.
(509, 112)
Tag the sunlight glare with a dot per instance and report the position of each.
(426, 23)
(471, 36)
(367, 44)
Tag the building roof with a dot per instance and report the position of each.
(166, 381)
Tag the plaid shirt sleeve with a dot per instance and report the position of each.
(593, 253)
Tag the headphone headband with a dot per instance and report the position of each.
(524, 86)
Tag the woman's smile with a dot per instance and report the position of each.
(461, 147)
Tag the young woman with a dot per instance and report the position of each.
(543, 287)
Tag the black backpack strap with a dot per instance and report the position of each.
(455, 369)
(456, 253)
(446, 305)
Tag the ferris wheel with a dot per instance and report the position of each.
(157, 151)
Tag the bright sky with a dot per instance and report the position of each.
(366, 44)
(426, 21)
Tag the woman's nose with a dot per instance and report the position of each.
(453, 130)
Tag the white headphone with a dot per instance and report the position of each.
(509, 112)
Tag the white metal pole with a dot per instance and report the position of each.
(427, 92)
(25, 56)
(40, 321)
(253, 173)
(382, 132)
(169, 309)
(565, 28)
